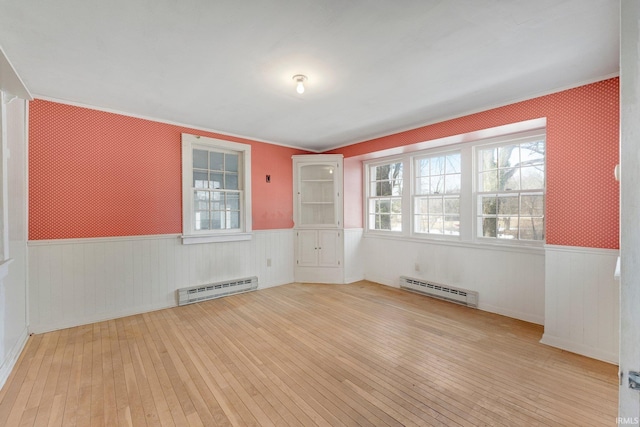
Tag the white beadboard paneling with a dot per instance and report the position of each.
(509, 281)
(13, 289)
(582, 301)
(353, 255)
(79, 281)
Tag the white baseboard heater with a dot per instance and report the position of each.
(216, 290)
(436, 290)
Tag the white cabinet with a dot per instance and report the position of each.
(317, 211)
(318, 248)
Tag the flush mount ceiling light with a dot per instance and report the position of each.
(299, 79)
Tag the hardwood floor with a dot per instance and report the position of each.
(307, 354)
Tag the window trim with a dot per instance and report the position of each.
(499, 142)
(436, 152)
(367, 197)
(191, 236)
(514, 133)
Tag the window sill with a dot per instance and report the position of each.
(475, 244)
(215, 238)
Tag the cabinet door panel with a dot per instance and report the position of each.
(328, 242)
(307, 248)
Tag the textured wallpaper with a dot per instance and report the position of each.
(583, 148)
(99, 174)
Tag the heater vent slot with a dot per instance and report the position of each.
(216, 290)
(436, 290)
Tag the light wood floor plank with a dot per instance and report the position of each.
(307, 354)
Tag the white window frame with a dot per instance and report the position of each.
(189, 234)
(405, 219)
(415, 196)
(507, 134)
(501, 142)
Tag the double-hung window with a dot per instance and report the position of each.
(436, 195)
(385, 196)
(485, 191)
(216, 189)
(511, 190)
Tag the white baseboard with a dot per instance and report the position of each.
(579, 348)
(12, 357)
(510, 313)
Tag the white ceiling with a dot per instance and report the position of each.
(374, 67)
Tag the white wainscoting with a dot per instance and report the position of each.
(582, 301)
(80, 281)
(509, 281)
(353, 255)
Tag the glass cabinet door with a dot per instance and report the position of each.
(317, 194)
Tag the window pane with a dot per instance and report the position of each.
(488, 159)
(508, 156)
(422, 167)
(421, 223)
(487, 227)
(437, 184)
(217, 161)
(383, 206)
(217, 220)
(452, 206)
(453, 163)
(509, 179)
(233, 201)
(215, 180)
(452, 184)
(507, 205)
(435, 205)
(435, 224)
(532, 205)
(489, 181)
(531, 228)
(437, 165)
(487, 205)
(200, 159)
(532, 152)
(452, 225)
(532, 178)
(201, 220)
(234, 219)
(231, 162)
(422, 205)
(508, 227)
(396, 206)
(200, 179)
(422, 186)
(396, 222)
(201, 203)
(231, 181)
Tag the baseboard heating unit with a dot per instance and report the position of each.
(457, 295)
(216, 290)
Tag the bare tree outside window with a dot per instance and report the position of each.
(385, 189)
(511, 181)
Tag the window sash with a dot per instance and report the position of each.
(510, 194)
(216, 189)
(440, 200)
(385, 190)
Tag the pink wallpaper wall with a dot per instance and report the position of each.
(582, 150)
(98, 174)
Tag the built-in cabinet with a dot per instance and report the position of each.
(318, 213)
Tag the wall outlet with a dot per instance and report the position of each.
(417, 267)
(268, 262)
